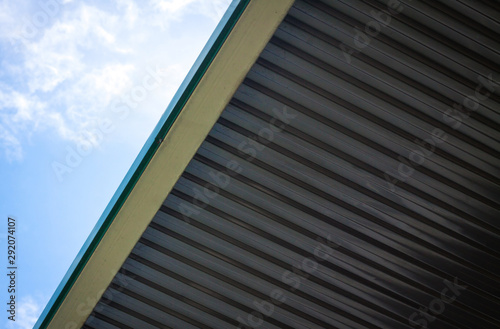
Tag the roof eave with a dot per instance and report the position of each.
(224, 62)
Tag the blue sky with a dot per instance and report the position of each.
(82, 85)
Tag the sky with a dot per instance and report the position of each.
(82, 85)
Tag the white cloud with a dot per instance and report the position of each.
(11, 145)
(172, 6)
(213, 9)
(176, 8)
(28, 310)
(19, 115)
(9, 16)
(85, 57)
(130, 11)
(68, 47)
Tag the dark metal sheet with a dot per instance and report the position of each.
(339, 188)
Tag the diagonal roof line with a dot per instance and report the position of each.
(211, 49)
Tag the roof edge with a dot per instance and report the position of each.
(210, 50)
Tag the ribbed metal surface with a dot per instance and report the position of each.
(336, 191)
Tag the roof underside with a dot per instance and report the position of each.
(351, 182)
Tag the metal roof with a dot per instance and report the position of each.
(351, 182)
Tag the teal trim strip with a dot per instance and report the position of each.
(147, 152)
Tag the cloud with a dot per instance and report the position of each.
(174, 8)
(68, 47)
(11, 145)
(19, 114)
(28, 310)
(65, 77)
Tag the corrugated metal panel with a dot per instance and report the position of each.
(338, 189)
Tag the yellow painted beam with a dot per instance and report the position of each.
(228, 69)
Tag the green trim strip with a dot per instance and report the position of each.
(178, 102)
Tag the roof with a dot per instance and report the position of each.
(262, 16)
(326, 164)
